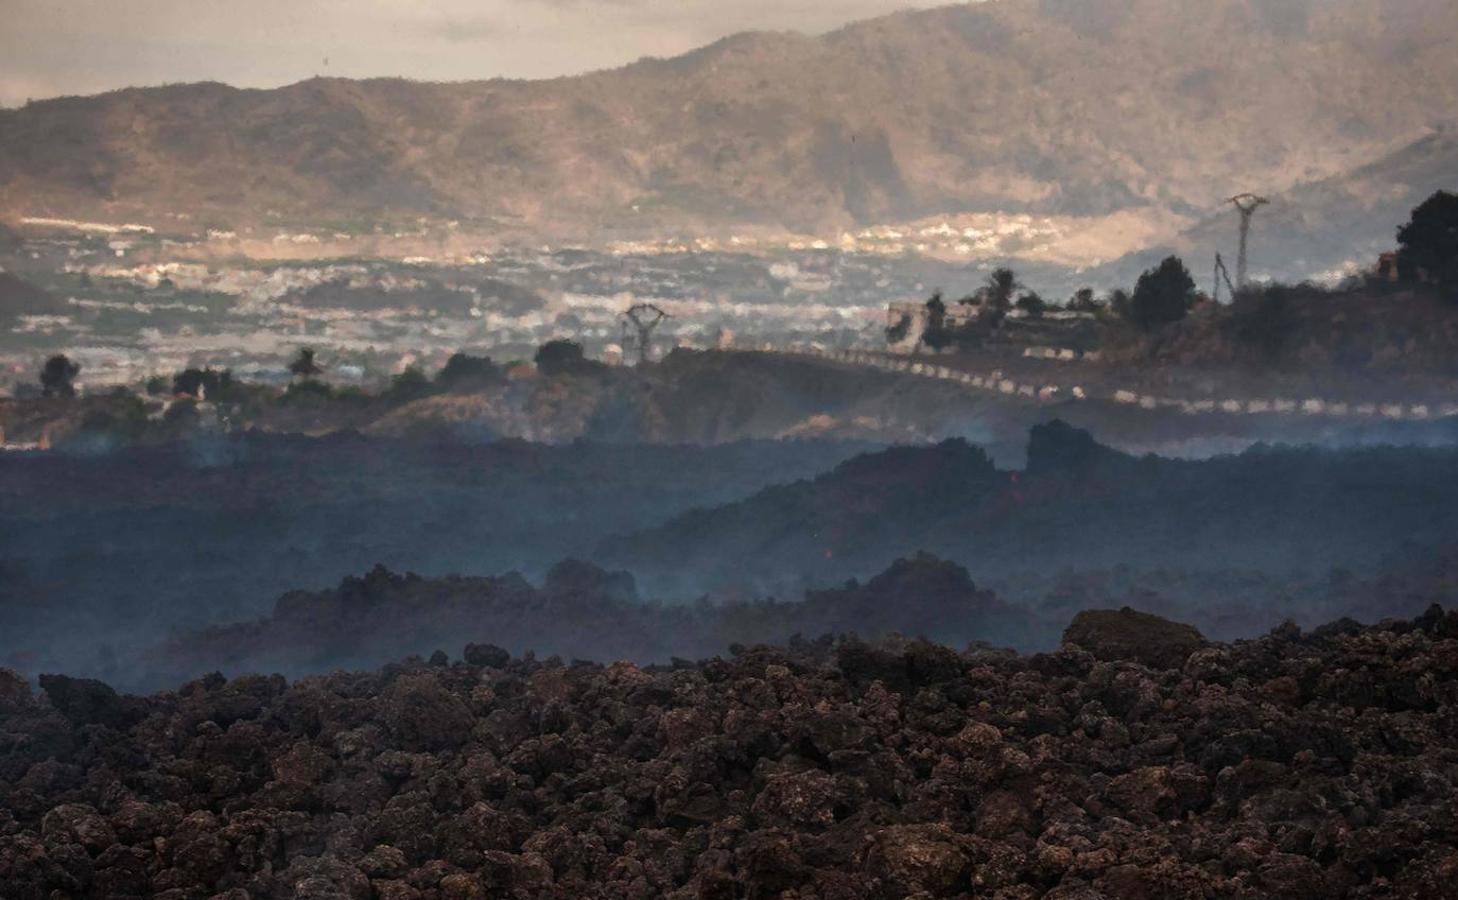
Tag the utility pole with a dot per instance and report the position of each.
(1247, 204)
(1222, 273)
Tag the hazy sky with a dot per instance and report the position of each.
(51, 47)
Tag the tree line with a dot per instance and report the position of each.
(1427, 256)
(462, 371)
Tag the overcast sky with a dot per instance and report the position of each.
(53, 47)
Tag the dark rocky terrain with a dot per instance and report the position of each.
(583, 611)
(1075, 504)
(104, 550)
(580, 610)
(212, 533)
(1295, 765)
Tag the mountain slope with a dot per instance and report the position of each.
(1319, 228)
(1049, 105)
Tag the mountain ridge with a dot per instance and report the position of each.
(1078, 502)
(1022, 105)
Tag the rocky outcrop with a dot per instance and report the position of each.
(581, 610)
(1129, 634)
(1056, 448)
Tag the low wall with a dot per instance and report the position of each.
(994, 381)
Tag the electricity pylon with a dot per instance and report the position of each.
(645, 317)
(1247, 204)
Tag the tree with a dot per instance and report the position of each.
(1083, 301)
(1119, 303)
(1032, 304)
(997, 293)
(58, 375)
(560, 357)
(1164, 294)
(410, 384)
(936, 336)
(468, 371)
(895, 334)
(1427, 246)
(208, 383)
(189, 381)
(304, 366)
(1266, 319)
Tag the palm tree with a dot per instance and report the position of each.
(1001, 285)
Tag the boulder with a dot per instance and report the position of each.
(85, 701)
(1126, 634)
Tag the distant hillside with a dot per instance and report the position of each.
(1372, 333)
(1039, 105)
(1320, 227)
(1076, 504)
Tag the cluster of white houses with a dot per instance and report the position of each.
(908, 320)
